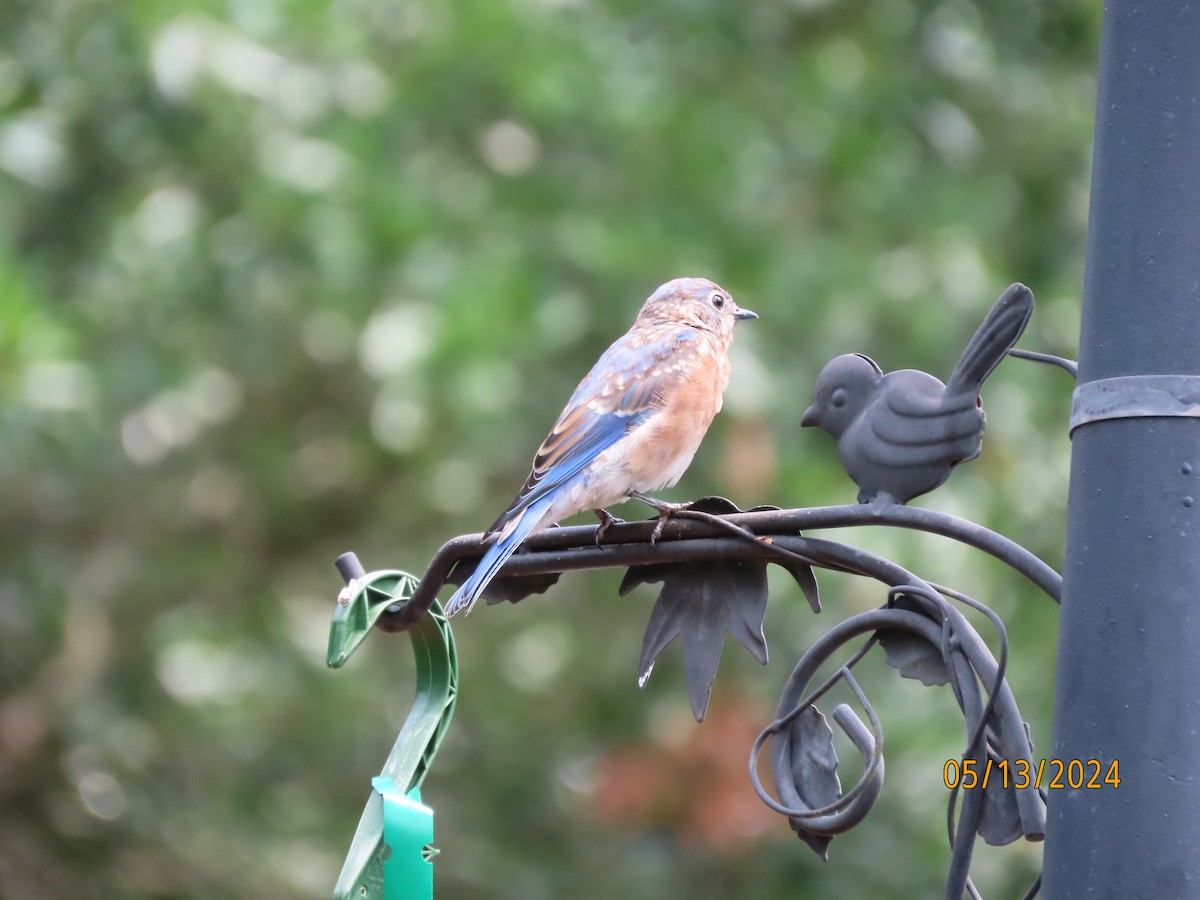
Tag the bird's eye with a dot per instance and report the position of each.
(838, 400)
(717, 299)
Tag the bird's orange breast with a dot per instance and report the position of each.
(660, 451)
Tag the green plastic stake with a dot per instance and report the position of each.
(407, 832)
(390, 855)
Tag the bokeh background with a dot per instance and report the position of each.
(281, 279)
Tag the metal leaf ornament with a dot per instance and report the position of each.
(1000, 819)
(701, 603)
(814, 764)
(994, 807)
(914, 657)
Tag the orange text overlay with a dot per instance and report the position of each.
(1076, 774)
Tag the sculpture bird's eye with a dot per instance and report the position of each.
(838, 399)
(717, 299)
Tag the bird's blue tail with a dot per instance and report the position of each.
(495, 557)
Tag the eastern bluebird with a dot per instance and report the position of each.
(899, 435)
(633, 424)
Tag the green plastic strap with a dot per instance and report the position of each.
(385, 852)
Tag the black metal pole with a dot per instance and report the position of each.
(1128, 681)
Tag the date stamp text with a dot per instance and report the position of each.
(1052, 774)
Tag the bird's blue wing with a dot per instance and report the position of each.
(625, 386)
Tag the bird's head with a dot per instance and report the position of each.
(843, 389)
(697, 302)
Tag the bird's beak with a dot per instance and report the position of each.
(809, 417)
(743, 314)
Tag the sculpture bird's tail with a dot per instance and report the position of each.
(1001, 329)
(506, 543)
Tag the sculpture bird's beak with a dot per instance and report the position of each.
(743, 314)
(809, 418)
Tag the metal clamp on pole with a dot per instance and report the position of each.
(1134, 397)
(391, 855)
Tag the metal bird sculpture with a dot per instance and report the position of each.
(633, 424)
(900, 435)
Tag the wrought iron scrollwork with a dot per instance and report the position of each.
(711, 560)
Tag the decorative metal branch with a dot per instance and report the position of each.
(1070, 366)
(903, 439)
(550, 553)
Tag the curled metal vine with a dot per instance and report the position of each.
(711, 560)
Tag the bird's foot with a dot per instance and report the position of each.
(607, 520)
(664, 509)
(877, 498)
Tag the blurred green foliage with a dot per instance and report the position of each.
(280, 279)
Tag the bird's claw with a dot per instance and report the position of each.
(607, 520)
(664, 509)
(663, 515)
